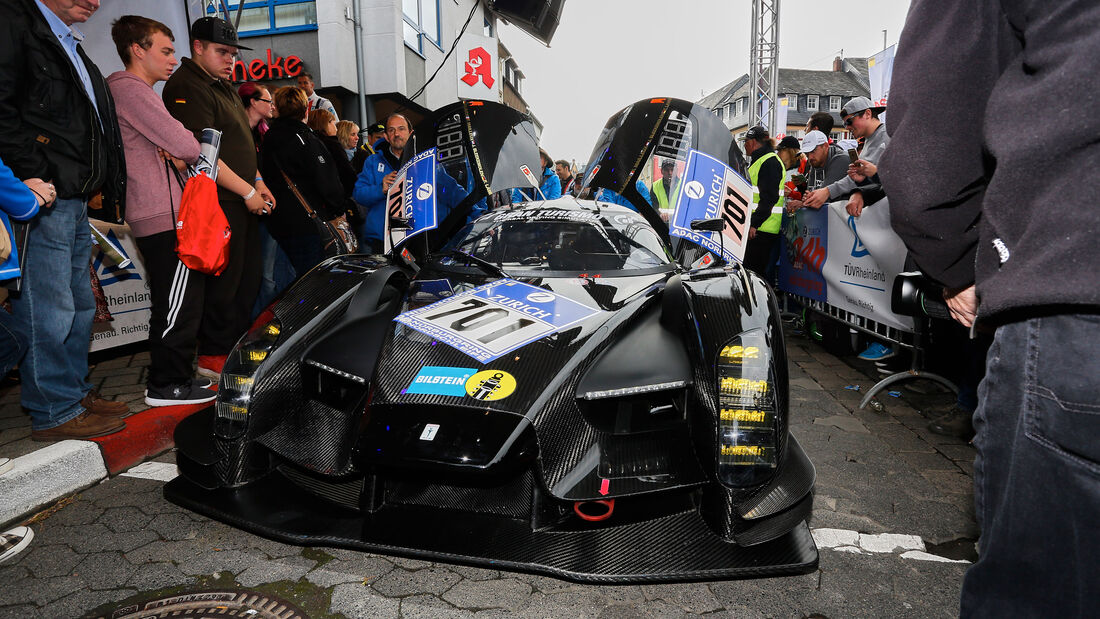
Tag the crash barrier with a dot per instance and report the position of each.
(126, 287)
(846, 268)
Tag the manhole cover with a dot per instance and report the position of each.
(212, 604)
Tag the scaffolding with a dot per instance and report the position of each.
(764, 63)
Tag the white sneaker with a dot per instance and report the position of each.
(14, 541)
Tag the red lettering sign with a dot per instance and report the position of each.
(276, 69)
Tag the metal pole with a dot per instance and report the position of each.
(360, 65)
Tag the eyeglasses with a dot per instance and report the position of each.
(264, 100)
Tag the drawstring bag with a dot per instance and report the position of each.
(202, 231)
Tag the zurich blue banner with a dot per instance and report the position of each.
(412, 196)
(710, 189)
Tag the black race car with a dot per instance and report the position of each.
(547, 387)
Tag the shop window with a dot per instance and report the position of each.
(421, 23)
(261, 17)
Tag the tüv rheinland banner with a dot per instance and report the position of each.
(844, 261)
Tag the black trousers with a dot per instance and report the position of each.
(177, 302)
(759, 252)
(227, 309)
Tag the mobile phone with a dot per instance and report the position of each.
(853, 156)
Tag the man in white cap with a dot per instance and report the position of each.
(828, 164)
(861, 118)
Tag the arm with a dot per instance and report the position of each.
(771, 173)
(20, 150)
(16, 198)
(936, 179)
(145, 112)
(368, 185)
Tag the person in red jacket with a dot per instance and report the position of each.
(153, 142)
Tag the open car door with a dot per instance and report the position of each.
(660, 138)
(455, 159)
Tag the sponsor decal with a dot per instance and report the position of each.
(431, 289)
(712, 190)
(412, 196)
(440, 380)
(489, 385)
(859, 250)
(429, 432)
(494, 319)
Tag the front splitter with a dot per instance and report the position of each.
(677, 547)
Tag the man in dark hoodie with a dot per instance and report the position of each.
(57, 122)
(987, 214)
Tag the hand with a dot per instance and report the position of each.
(179, 164)
(665, 215)
(816, 198)
(856, 173)
(388, 181)
(855, 205)
(963, 304)
(44, 193)
(752, 233)
(793, 205)
(267, 196)
(256, 204)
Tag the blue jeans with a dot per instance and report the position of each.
(1037, 472)
(54, 313)
(12, 344)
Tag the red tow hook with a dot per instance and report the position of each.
(609, 504)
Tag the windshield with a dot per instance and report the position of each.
(556, 239)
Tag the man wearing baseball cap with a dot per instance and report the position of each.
(199, 95)
(766, 173)
(828, 162)
(861, 118)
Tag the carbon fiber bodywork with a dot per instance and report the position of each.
(350, 416)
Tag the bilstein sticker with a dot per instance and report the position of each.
(441, 380)
(490, 385)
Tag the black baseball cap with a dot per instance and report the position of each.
(217, 31)
(790, 142)
(376, 128)
(757, 133)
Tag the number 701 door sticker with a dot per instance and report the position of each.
(496, 318)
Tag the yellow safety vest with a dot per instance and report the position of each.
(663, 200)
(775, 220)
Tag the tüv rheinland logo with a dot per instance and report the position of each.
(859, 250)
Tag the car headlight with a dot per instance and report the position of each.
(237, 381)
(746, 411)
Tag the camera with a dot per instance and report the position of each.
(915, 295)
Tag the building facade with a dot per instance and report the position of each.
(806, 91)
(405, 45)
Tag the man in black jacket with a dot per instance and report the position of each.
(989, 216)
(57, 122)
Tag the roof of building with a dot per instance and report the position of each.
(801, 82)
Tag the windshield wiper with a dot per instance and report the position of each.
(486, 266)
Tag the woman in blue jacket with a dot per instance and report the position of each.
(20, 201)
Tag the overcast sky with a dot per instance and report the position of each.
(608, 54)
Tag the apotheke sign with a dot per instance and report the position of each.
(273, 69)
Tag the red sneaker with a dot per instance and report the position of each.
(211, 365)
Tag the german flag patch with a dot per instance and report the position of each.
(181, 100)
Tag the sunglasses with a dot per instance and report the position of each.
(852, 118)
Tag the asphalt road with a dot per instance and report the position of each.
(893, 502)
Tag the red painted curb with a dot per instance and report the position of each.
(146, 434)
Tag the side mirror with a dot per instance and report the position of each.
(709, 225)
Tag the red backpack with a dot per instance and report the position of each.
(202, 231)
